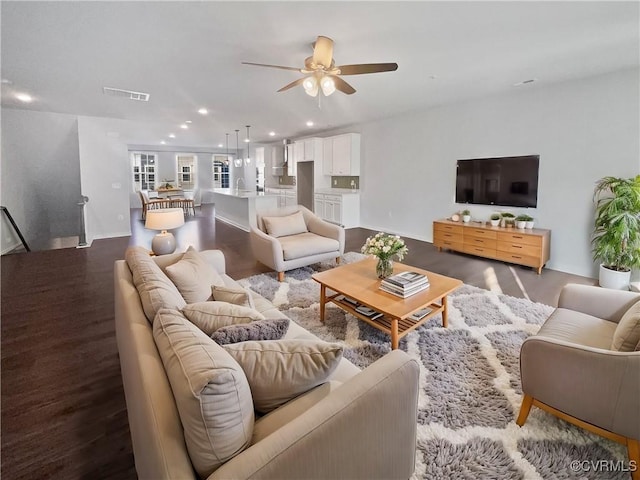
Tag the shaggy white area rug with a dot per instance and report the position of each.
(470, 383)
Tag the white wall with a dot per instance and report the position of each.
(582, 130)
(104, 169)
(40, 175)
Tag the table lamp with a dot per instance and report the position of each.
(164, 219)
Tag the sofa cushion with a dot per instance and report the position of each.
(285, 225)
(307, 244)
(210, 390)
(627, 334)
(288, 412)
(210, 316)
(236, 295)
(279, 370)
(154, 287)
(268, 329)
(577, 327)
(194, 276)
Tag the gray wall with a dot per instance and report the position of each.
(40, 174)
(582, 130)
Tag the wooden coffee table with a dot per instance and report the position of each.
(359, 282)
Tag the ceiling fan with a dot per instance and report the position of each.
(321, 71)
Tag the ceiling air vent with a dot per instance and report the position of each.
(118, 92)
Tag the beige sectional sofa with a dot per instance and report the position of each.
(357, 424)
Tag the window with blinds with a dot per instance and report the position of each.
(186, 171)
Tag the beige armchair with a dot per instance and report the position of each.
(293, 237)
(570, 370)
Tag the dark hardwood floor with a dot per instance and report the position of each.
(63, 408)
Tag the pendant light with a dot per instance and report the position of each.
(226, 162)
(247, 161)
(237, 161)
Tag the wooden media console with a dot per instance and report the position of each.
(530, 247)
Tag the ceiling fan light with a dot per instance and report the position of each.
(328, 86)
(310, 86)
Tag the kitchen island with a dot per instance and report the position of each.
(239, 207)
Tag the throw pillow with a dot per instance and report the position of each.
(267, 329)
(279, 370)
(285, 225)
(627, 334)
(210, 316)
(210, 390)
(237, 296)
(193, 276)
(154, 287)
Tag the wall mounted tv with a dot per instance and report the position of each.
(505, 181)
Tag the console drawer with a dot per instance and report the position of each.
(519, 259)
(480, 242)
(480, 233)
(515, 237)
(447, 227)
(519, 248)
(480, 251)
(451, 245)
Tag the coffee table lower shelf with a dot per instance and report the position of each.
(395, 327)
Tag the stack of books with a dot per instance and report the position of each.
(360, 308)
(405, 284)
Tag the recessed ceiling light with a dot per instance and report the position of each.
(246, 140)
(309, 123)
(272, 134)
(23, 97)
(203, 111)
(171, 135)
(525, 82)
(188, 121)
(219, 145)
(184, 126)
(162, 142)
(6, 81)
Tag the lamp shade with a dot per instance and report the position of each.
(164, 218)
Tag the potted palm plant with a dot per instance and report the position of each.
(616, 234)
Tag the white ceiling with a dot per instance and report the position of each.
(187, 55)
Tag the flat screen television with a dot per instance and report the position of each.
(504, 181)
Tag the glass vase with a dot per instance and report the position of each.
(384, 267)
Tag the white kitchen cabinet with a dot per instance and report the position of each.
(343, 209)
(342, 155)
(291, 160)
(290, 197)
(327, 155)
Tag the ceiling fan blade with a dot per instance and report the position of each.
(343, 86)
(361, 68)
(323, 51)
(292, 84)
(272, 66)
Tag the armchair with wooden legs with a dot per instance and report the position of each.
(293, 237)
(571, 369)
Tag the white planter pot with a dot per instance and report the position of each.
(520, 224)
(613, 279)
(495, 223)
(529, 224)
(466, 218)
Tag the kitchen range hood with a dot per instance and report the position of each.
(280, 164)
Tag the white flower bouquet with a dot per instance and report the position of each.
(385, 246)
